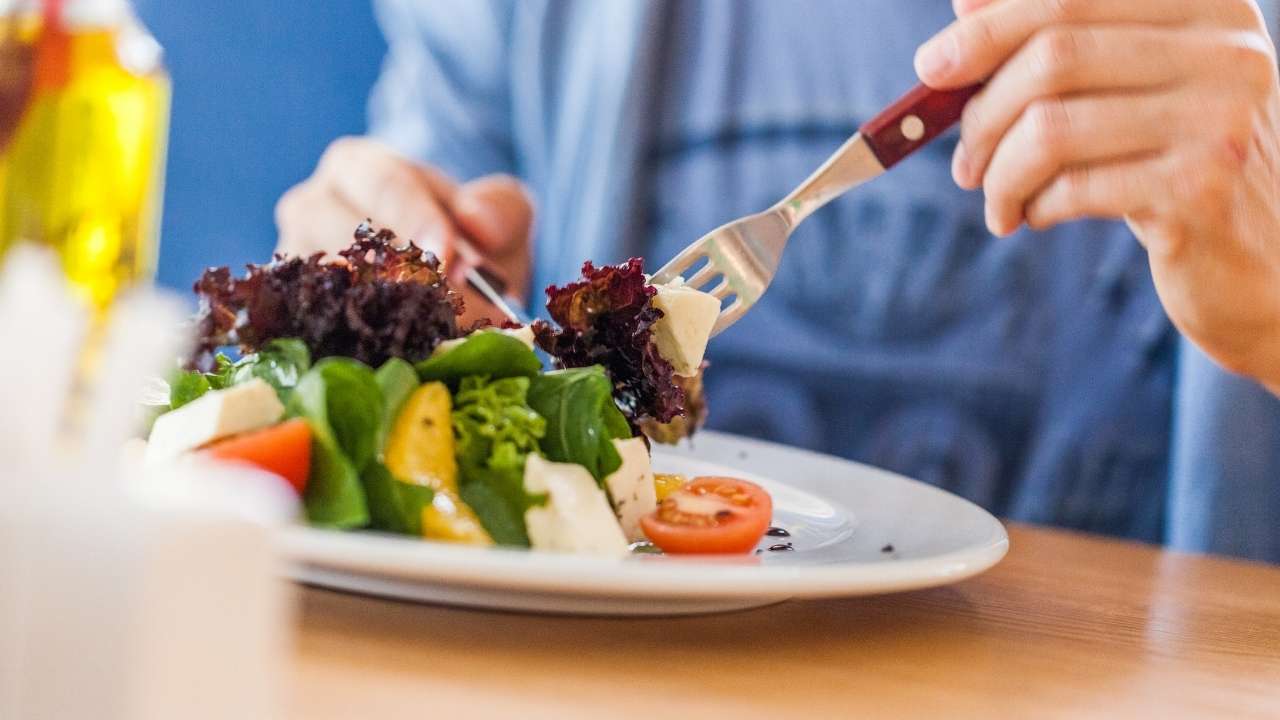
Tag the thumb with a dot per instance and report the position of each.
(495, 212)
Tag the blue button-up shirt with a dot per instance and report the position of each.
(1036, 375)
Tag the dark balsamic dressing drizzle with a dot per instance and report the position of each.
(776, 531)
(781, 547)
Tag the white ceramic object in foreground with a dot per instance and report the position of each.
(856, 531)
(125, 593)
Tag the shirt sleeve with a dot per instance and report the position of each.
(443, 96)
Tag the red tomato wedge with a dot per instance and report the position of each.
(283, 449)
(710, 515)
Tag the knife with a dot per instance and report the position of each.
(490, 284)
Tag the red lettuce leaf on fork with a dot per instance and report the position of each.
(378, 301)
(607, 319)
(687, 424)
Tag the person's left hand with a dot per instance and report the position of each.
(1165, 113)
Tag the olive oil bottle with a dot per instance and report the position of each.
(82, 170)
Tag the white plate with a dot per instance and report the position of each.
(856, 531)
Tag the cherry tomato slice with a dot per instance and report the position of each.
(710, 515)
(283, 449)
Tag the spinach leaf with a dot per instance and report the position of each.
(334, 496)
(341, 400)
(398, 380)
(489, 353)
(223, 367)
(186, 387)
(496, 430)
(280, 363)
(350, 402)
(490, 499)
(582, 420)
(394, 506)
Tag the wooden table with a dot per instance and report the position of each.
(1066, 626)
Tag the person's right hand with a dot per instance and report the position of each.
(359, 178)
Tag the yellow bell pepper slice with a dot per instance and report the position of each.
(664, 484)
(420, 450)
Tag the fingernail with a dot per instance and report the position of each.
(960, 165)
(935, 58)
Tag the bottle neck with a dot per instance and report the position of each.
(71, 13)
(90, 13)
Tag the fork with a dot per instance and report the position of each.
(745, 253)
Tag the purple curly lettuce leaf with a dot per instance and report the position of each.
(688, 424)
(378, 301)
(607, 319)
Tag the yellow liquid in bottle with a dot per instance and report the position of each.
(83, 172)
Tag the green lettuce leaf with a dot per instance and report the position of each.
(582, 419)
(488, 353)
(496, 430)
(342, 402)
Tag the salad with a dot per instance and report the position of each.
(355, 384)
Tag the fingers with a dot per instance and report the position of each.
(390, 190)
(1196, 195)
(495, 212)
(441, 185)
(1195, 198)
(1110, 190)
(976, 44)
(311, 219)
(1056, 134)
(358, 178)
(1077, 94)
(1066, 60)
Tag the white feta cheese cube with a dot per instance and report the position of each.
(213, 416)
(684, 329)
(631, 488)
(576, 517)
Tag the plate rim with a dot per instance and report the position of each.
(375, 555)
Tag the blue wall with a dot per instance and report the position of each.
(260, 87)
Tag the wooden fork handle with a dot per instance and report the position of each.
(915, 119)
